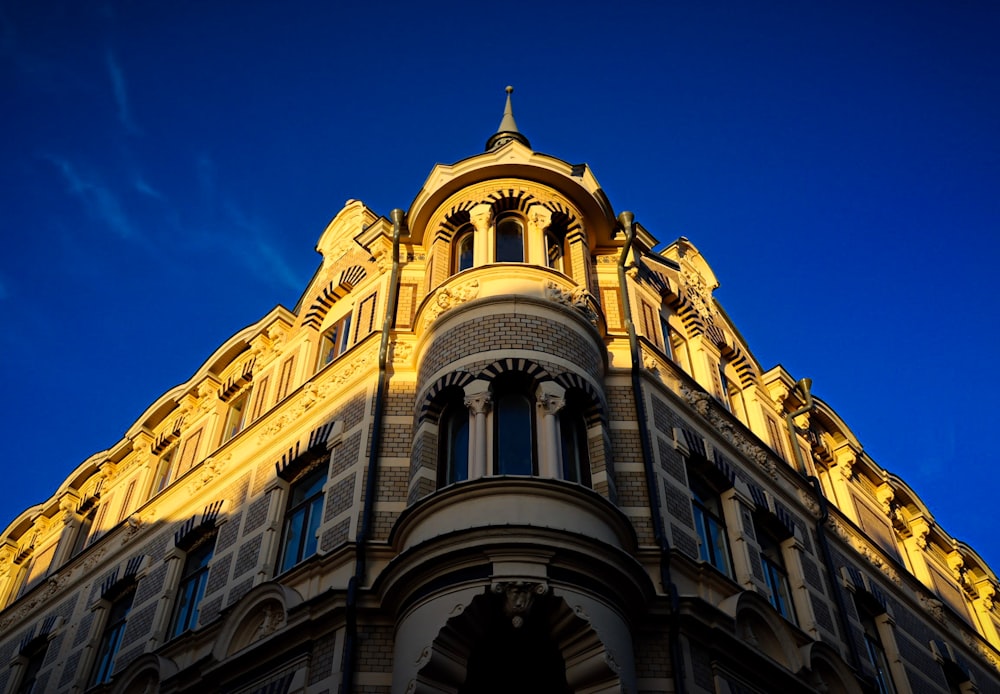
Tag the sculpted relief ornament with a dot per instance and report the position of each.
(577, 298)
(518, 597)
(448, 298)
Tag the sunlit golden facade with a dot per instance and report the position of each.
(500, 444)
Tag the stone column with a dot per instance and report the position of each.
(550, 397)
(478, 399)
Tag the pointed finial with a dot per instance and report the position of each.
(508, 128)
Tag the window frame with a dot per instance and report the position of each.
(192, 585)
(110, 641)
(332, 348)
(710, 525)
(465, 234)
(551, 240)
(522, 227)
(506, 388)
(869, 613)
(574, 440)
(453, 463)
(772, 559)
(313, 480)
(32, 658)
(237, 415)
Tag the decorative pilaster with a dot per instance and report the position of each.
(478, 399)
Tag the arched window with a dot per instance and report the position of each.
(573, 441)
(554, 252)
(453, 443)
(464, 248)
(510, 241)
(513, 427)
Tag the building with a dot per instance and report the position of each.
(499, 444)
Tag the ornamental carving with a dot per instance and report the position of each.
(703, 403)
(448, 298)
(518, 597)
(933, 607)
(699, 295)
(401, 352)
(577, 298)
(208, 471)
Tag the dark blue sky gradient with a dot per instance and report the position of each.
(168, 167)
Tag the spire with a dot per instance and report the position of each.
(508, 129)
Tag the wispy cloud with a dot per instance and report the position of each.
(99, 200)
(146, 189)
(257, 251)
(120, 92)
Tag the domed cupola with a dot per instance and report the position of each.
(508, 129)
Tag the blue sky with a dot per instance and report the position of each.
(168, 167)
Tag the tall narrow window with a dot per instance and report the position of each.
(573, 441)
(874, 649)
(665, 331)
(83, 531)
(510, 241)
(464, 250)
(236, 416)
(554, 252)
(453, 443)
(192, 586)
(513, 428)
(335, 341)
(302, 518)
(33, 655)
(164, 469)
(775, 575)
(111, 637)
(713, 544)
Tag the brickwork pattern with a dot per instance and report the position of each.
(339, 498)
(323, 652)
(346, 454)
(151, 584)
(919, 656)
(83, 631)
(247, 556)
(400, 399)
(382, 522)
(701, 662)
(228, 533)
(375, 646)
(139, 625)
(670, 460)
(651, 655)
(810, 570)
(392, 483)
(335, 536)
(510, 331)
(396, 440)
(256, 515)
(626, 446)
(621, 406)
(679, 505)
(157, 547)
(684, 541)
(236, 493)
(238, 591)
(632, 489)
(69, 668)
(262, 476)
(218, 573)
(209, 610)
(126, 656)
(353, 412)
(824, 617)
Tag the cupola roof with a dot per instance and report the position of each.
(508, 129)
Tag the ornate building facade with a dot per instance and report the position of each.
(500, 444)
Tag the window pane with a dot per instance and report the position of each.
(573, 437)
(510, 242)
(553, 252)
(513, 414)
(464, 252)
(456, 442)
(293, 539)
